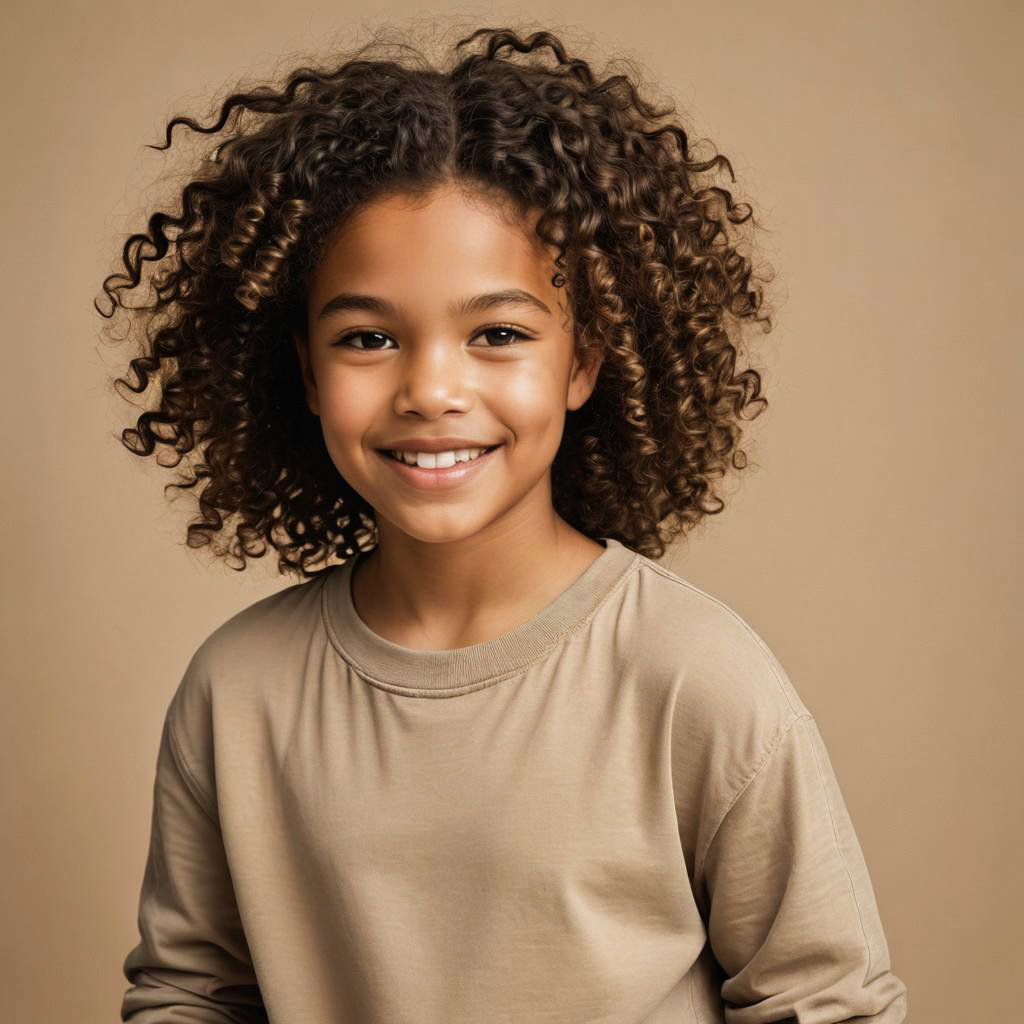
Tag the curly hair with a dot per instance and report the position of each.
(655, 276)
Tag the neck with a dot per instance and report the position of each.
(437, 596)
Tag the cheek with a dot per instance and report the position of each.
(532, 404)
(347, 410)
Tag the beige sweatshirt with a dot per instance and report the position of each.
(619, 813)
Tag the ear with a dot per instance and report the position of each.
(583, 379)
(308, 380)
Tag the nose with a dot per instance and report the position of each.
(434, 378)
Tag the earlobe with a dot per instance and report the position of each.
(308, 380)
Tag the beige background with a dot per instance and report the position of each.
(875, 546)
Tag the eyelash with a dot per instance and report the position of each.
(520, 335)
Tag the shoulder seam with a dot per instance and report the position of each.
(839, 849)
(761, 645)
(745, 784)
(186, 771)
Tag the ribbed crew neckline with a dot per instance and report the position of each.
(457, 669)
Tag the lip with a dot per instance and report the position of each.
(440, 479)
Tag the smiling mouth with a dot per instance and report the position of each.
(389, 454)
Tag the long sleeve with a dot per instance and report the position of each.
(792, 914)
(192, 962)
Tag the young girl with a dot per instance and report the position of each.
(471, 332)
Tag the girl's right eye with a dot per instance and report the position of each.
(344, 340)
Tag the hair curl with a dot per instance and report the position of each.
(655, 278)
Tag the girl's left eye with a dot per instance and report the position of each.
(519, 335)
(507, 330)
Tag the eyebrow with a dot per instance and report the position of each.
(345, 301)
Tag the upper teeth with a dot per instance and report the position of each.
(437, 460)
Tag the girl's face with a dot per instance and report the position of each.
(408, 342)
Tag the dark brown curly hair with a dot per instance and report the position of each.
(655, 276)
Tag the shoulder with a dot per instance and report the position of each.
(725, 679)
(728, 701)
(256, 646)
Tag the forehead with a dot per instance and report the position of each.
(445, 241)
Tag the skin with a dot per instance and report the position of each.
(471, 563)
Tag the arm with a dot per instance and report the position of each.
(792, 917)
(192, 962)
